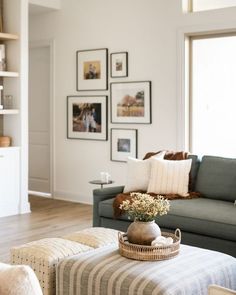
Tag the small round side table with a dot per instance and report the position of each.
(99, 182)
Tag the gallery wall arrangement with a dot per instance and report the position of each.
(130, 102)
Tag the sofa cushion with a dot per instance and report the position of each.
(216, 178)
(208, 217)
(193, 171)
(169, 177)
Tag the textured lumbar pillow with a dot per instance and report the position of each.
(95, 237)
(18, 280)
(169, 177)
(138, 173)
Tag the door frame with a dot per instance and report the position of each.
(50, 44)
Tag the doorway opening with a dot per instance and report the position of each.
(40, 120)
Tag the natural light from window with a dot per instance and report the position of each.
(200, 5)
(213, 96)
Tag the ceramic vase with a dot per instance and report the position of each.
(143, 233)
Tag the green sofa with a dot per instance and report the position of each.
(207, 222)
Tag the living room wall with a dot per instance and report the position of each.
(148, 30)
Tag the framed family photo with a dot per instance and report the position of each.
(123, 144)
(87, 117)
(119, 64)
(131, 102)
(91, 69)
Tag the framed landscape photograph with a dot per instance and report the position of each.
(91, 69)
(87, 117)
(123, 144)
(131, 102)
(119, 64)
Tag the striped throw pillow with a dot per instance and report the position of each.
(169, 177)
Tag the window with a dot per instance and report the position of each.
(200, 5)
(212, 103)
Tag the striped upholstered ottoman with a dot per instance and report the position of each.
(104, 272)
(44, 255)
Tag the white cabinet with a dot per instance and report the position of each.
(9, 181)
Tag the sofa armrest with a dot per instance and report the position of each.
(101, 195)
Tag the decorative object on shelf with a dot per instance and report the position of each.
(1, 15)
(8, 101)
(1, 102)
(143, 208)
(150, 253)
(91, 69)
(3, 57)
(87, 117)
(119, 64)
(123, 144)
(5, 141)
(131, 102)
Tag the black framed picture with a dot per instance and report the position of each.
(131, 102)
(123, 144)
(87, 117)
(119, 64)
(91, 69)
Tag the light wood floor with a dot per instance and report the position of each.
(49, 218)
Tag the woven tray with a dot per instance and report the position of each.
(142, 252)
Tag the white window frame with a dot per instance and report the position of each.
(183, 72)
(188, 7)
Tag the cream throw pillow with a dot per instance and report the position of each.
(18, 280)
(138, 173)
(170, 177)
(95, 237)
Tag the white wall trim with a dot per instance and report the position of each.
(40, 194)
(51, 44)
(24, 154)
(71, 197)
(54, 4)
(182, 33)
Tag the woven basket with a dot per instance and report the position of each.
(141, 252)
(5, 141)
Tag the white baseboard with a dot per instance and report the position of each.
(40, 194)
(71, 197)
(25, 208)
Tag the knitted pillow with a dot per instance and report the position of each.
(95, 237)
(18, 280)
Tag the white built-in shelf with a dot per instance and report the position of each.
(8, 74)
(6, 36)
(9, 112)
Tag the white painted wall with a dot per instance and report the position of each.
(148, 30)
(54, 4)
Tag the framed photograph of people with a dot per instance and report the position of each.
(119, 64)
(131, 102)
(87, 117)
(91, 69)
(123, 144)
